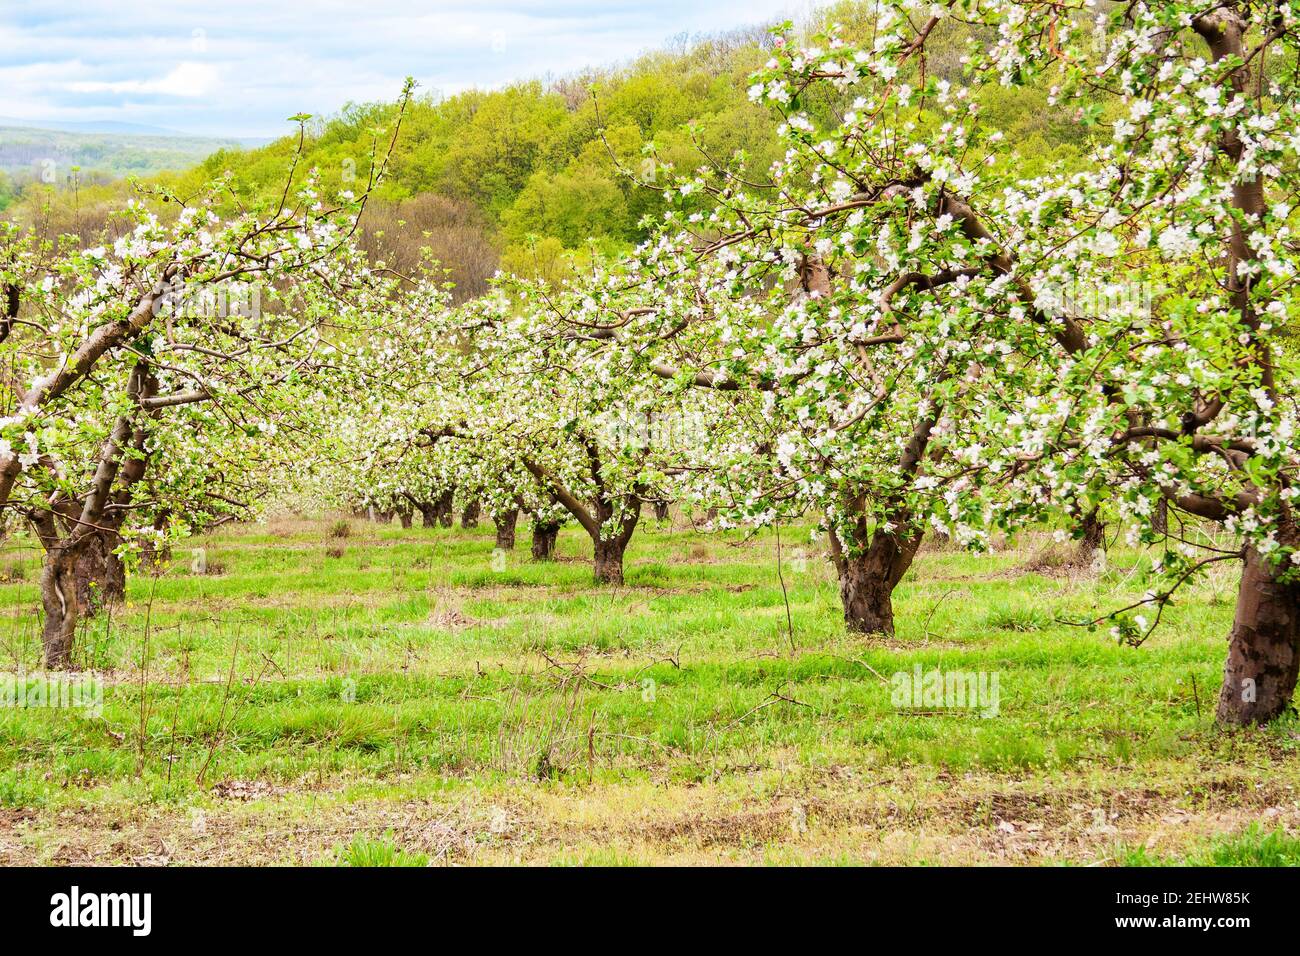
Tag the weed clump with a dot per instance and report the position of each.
(1018, 619)
(363, 851)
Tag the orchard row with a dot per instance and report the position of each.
(891, 330)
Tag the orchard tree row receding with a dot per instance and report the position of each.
(893, 329)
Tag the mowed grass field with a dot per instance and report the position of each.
(404, 697)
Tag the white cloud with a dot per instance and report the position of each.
(187, 79)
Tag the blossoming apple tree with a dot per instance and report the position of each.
(557, 393)
(103, 344)
(1126, 319)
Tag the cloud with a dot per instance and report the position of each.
(187, 79)
(241, 66)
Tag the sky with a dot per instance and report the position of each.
(242, 67)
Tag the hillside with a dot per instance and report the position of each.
(32, 154)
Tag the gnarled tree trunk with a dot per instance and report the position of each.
(78, 535)
(505, 527)
(609, 560)
(596, 515)
(469, 517)
(100, 575)
(62, 609)
(868, 578)
(443, 507)
(1093, 540)
(545, 534)
(1259, 677)
(428, 514)
(661, 510)
(406, 516)
(608, 552)
(114, 589)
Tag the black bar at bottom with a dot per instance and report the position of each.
(335, 906)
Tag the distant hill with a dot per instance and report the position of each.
(31, 154)
(91, 126)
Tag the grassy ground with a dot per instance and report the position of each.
(403, 697)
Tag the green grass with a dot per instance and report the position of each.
(407, 671)
(1254, 846)
(363, 851)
